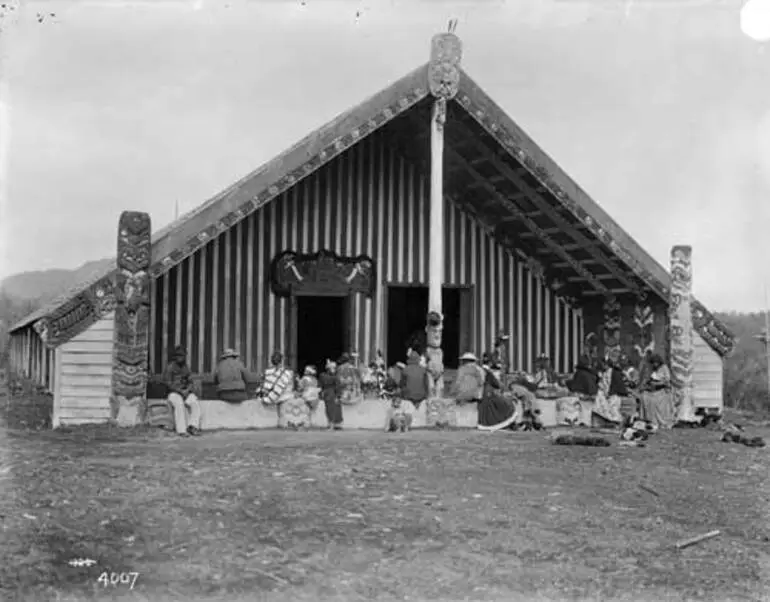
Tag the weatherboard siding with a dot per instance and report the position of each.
(84, 383)
(708, 375)
(368, 201)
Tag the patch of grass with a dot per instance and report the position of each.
(369, 516)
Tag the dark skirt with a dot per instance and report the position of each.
(232, 396)
(496, 412)
(333, 410)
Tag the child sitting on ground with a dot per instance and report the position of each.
(309, 389)
(399, 419)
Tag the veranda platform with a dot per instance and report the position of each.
(368, 414)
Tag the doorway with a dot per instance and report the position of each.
(407, 310)
(321, 328)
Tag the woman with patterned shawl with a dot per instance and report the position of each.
(277, 384)
(657, 399)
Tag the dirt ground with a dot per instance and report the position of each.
(427, 515)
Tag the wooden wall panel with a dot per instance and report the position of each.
(84, 379)
(708, 375)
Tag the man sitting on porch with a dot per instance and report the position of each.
(180, 394)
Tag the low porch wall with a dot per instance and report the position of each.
(369, 414)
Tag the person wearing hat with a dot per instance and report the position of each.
(469, 384)
(178, 379)
(230, 377)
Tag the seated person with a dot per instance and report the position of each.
(277, 383)
(545, 376)
(393, 378)
(398, 418)
(546, 383)
(415, 382)
(349, 379)
(469, 383)
(585, 381)
(611, 388)
(230, 377)
(495, 412)
(180, 395)
(309, 389)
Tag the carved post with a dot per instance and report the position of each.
(680, 331)
(132, 320)
(644, 319)
(611, 330)
(443, 82)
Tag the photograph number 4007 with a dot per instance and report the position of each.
(115, 579)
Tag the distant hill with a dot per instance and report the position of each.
(43, 285)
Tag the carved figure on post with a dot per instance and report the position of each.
(132, 319)
(680, 331)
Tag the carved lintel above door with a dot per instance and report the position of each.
(322, 273)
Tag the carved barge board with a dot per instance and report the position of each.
(680, 331)
(322, 273)
(78, 313)
(132, 320)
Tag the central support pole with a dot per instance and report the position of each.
(436, 280)
(443, 82)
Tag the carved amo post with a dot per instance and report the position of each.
(680, 331)
(132, 320)
(443, 82)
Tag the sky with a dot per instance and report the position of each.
(659, 109)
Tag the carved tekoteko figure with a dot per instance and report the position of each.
(132, 319)
(446, 51)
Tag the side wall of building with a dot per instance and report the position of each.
(84, 376)
(30, 358)
(368, 200)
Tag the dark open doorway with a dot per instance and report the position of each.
(407, 310)
(320, 330)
